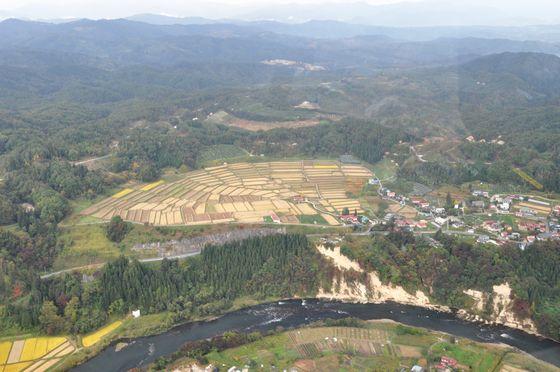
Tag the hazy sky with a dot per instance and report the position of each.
(538, 10)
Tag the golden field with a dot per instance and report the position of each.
(242, 192)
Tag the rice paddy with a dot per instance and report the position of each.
(98, 335)
(33, 354)
(281, 192)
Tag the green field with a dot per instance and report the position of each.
(385, 169)
(314, 219)
(220, 153)
(379, 346)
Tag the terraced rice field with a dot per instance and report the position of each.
(33, 354)
(95, 337)
(242, 192)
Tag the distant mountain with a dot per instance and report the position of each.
(163, 20)
(331, 29)
(419, 14)
(125, 42)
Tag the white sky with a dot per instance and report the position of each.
(43, 9)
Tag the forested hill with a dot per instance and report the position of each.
(535, 75)
(132, 43)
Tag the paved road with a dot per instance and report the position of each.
(99, 265)
(82, 162)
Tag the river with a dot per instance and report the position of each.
(293, 313)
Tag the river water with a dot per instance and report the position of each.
(144, 350)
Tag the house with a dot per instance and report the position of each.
(28, 208)
(422, 224)
(546, 236)
(450, 362)
(420, 202)
(440, 211)
(446, 364)
(350, 218)
(373, 181)
(275, 217)
(483, 239)
(417, 368)
(531, 226)
(478, 204)
(491, 226)
(515, 236)
(484, 194)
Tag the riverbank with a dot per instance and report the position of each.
(147, 326)
(355, 345)
(373, 290)
(295, 313)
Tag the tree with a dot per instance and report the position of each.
(7, 211)
(116, 307)
(117, 229)
(71, 313)
(449, 201)
(345, 211)
(49, 319)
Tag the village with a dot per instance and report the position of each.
(489, 218)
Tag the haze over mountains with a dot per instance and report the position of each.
(397, 13)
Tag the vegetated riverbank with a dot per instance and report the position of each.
(147, 326)
(347, 344)
(294, 313)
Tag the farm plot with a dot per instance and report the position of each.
(311, 342)
(281, 192)
(33, 354)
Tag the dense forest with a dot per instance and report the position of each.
(273, 266)
(445, 270)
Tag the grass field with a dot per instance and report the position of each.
(475, 357)
(219, 153)
(385, 169)
(95, 337)
(85, 245)
(316, 219)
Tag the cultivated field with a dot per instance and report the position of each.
(312, 342)
(33, 354)
(285, 192)
(96, 336)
